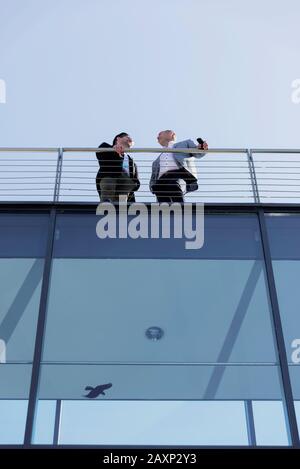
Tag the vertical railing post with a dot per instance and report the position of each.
(253, 177)
(288, 400)
(58, 175)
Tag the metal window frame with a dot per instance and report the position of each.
(40, 332)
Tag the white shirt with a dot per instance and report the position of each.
(167, 161)
(125, 165)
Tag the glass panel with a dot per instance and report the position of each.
(44, 422)
(283, 230)
(297, 409)
(12, 422)
(208, 309)
(20, 281)
(295, 380)
(269, 421)
(23, 235)
(186, 382)
(226, 237)
(188, 300)
(14, 391)
(153, 423)
(284, 234)
(22, 247)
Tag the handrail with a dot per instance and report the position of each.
(275, 150)
(159, 150)
(29, 149)
(149, 150)
(129, 150)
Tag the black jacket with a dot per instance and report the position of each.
(111, 166)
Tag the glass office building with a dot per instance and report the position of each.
(196, 347)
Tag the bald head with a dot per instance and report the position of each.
(165, 137)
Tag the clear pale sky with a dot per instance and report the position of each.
(79, 71)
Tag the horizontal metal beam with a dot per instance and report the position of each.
(29, 150)
(91, 206)
(275, 150)
(130, 150)
(149, 150)
(160, 150)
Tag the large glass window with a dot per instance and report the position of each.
(284, 235)
(22, 248)
(154, 322)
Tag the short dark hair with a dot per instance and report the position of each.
(122, 134)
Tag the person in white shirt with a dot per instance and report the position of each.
(169, 170)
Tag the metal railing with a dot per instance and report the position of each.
(224, 174)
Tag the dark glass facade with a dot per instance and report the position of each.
(75, 312)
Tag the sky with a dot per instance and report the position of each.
(79, 71)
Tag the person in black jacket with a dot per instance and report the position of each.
(118, 175)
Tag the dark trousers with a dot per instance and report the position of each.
(110, 189)
(167, 188)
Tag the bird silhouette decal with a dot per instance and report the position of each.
(97, 390)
